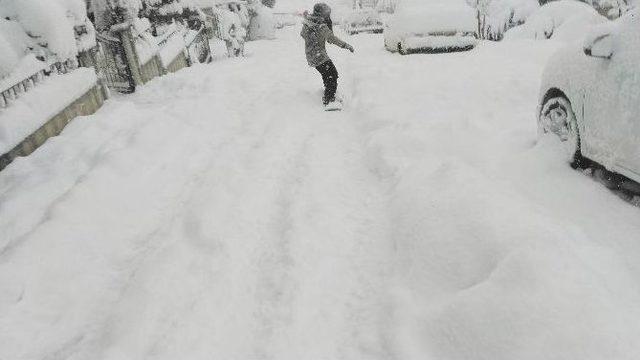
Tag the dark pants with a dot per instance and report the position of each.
(330, 78)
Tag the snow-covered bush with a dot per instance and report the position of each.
(162, 11)
(495, 17)
(610, 8)
(111, 12)
(55, 30)
(262, 23)
(386, 6)
(165, 12)
(10, 57)
(230, 23)
(14, 44)
(613, 8)
(566, 20)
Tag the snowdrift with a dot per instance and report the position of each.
(505, 280)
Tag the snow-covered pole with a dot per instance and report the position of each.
(480, 22)
(128, 43)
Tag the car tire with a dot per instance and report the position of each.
(557, 117)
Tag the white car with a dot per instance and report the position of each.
(363, 21)
(590, 97)
(426, 27)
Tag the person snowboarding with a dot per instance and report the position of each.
(317, 30)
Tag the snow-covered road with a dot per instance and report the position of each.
(220, 213)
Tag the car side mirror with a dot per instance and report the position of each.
(600, 46)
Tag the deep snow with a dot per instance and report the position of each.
(220, 213)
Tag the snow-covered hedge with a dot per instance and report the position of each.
(495, 17)
(13, 43)
(498, 16)
(162, 13)
(56, 30)
(612, 8)
(566, 20)
(110, 12)
(262, 24)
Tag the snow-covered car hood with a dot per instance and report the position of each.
(567, 67)
(592, 83)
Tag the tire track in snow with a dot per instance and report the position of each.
(341, 245)
(269, 241)
(276, 285)
(202, 237)
(246, 145)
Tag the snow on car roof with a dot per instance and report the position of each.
(454, 16)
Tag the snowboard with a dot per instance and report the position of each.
(333, 106)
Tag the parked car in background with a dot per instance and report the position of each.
(566, 20)
(419, 26)
(590, 97)
(363, 21)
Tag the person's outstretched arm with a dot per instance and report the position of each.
(303, 32)
(333, 39)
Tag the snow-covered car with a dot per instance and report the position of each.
(566, 20)
(361, 21)
(590, 97)
(431, 27)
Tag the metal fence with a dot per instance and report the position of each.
(15, 90)
(116, 60)
(109, 60)
(112, 65)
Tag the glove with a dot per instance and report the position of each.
(350, 48)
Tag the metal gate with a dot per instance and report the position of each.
(111, 62)
(198, 49)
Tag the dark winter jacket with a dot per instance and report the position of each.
(316, 33)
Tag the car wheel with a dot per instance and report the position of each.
(557, 117)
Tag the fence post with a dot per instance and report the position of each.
(128, 43)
